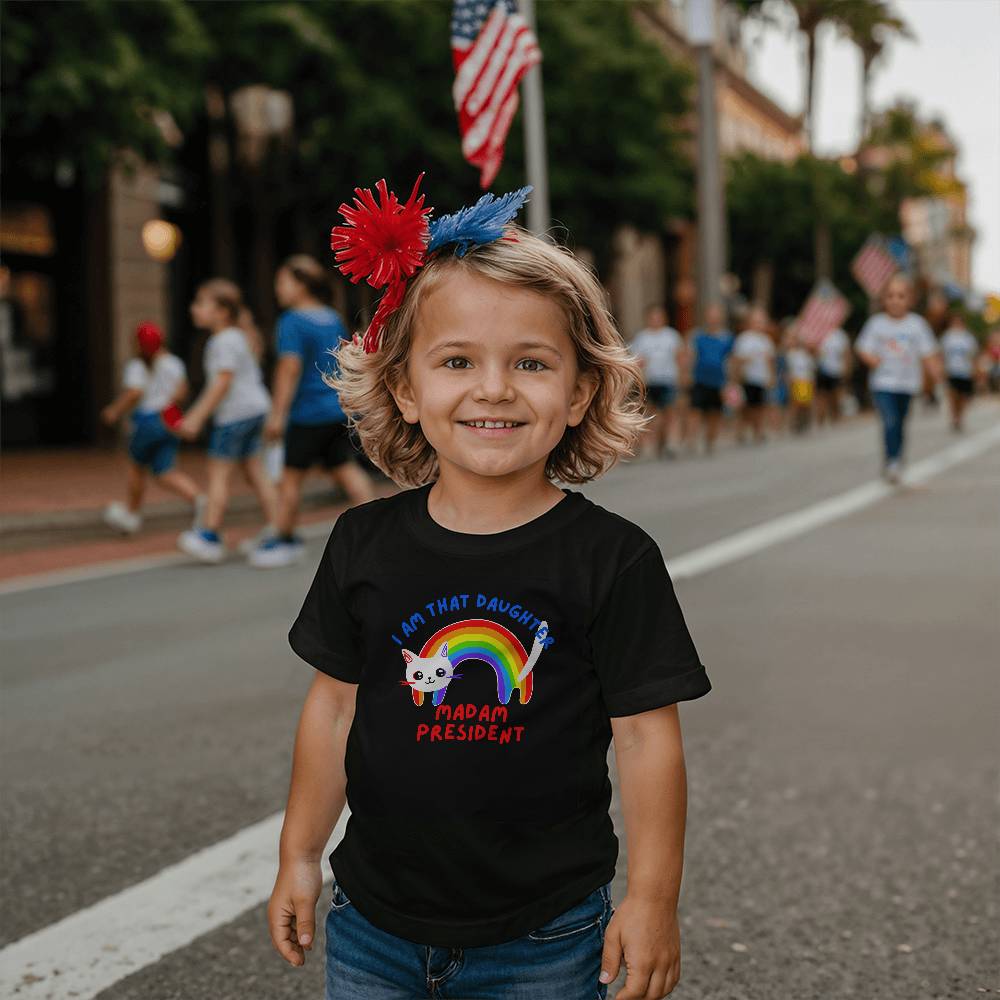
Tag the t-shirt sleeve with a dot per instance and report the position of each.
(643, 653)
(867, 339)
(225, 354)
(289, 336)
(324, 634)
(135, 375)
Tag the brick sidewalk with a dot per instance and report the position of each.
(52, 502)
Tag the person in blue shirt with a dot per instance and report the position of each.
(709, 348)
(305, 411)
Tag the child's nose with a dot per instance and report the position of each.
(494, 384)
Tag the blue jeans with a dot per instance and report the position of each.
(152, 444)
(236, 441)
(892, 408)
(560, 960)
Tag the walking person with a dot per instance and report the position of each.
(236, 400)
(754, 368)
(490, 628)
(802, 381)
(711, 346)
(305, 411)
(660, 351)
(960, 351)
(154, 385)
(833, 367)
(898, 348)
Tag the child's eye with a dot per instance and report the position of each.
(536, 365)
(461, 363)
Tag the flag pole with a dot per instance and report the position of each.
(536, 162)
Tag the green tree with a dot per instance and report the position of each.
(84, 82)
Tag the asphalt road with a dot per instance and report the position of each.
(843, 773)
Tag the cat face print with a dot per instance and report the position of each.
(428, 673)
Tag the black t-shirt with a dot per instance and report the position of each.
(488, 667)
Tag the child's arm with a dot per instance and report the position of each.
(125, 403)
(644, 929)
(316, 799)
(286, 381)
(194, 419)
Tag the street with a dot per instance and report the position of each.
(842, 773)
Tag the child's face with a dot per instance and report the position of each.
(205, 311)
(484, 351)
(897, 299)
(287, 289)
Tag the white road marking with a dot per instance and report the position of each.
(96, 947)
(780, 529)
(87, 952)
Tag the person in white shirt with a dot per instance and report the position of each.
(153, 385)
(898, 347)
(832, 368)
(801, 365)
(960, 351)
(237, 400)
(660, 350)
(753, 355)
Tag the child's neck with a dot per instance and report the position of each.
(482, 505)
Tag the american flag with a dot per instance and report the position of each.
(874, 265)
(825, 310)
(492, 47)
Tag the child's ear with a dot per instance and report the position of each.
(582, 396)
(406, 402)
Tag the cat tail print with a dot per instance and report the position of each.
(536, 650)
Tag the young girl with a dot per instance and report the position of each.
(153, 386)
(898, 348)
(306, 413)
(236, 397)
(802, 375)
(960, 350)
(479, 638)
(753, 358)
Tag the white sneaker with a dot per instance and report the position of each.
(276, 552)
(248, 545)
(119, 517)
(893, 473)
(196, 545)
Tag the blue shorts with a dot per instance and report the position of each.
(151, 443)
(236, 441)
(561, 960)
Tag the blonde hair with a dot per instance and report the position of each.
(226, 295)
(610, 427)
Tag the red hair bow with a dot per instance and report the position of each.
(384, 243)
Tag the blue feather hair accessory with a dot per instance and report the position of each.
(476, 224)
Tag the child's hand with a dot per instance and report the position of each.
(291, 913)
(109, 416)
(189, 428)
(274, 428)
(646, 935)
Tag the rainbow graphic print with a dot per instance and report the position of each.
(480, 639)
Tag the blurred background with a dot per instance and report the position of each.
(745, 152)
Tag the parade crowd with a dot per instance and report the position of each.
(761, 382)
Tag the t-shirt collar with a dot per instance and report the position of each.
(461, 543)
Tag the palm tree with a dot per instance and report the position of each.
(870, 24)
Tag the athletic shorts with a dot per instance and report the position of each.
(963, 386)
(661, 395)
(802, 391)
(236, 441)
(707, 398)
(827, 383)
(754, 396)
(151, 444)
(307, 445)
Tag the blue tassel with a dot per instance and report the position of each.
(477, 224)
